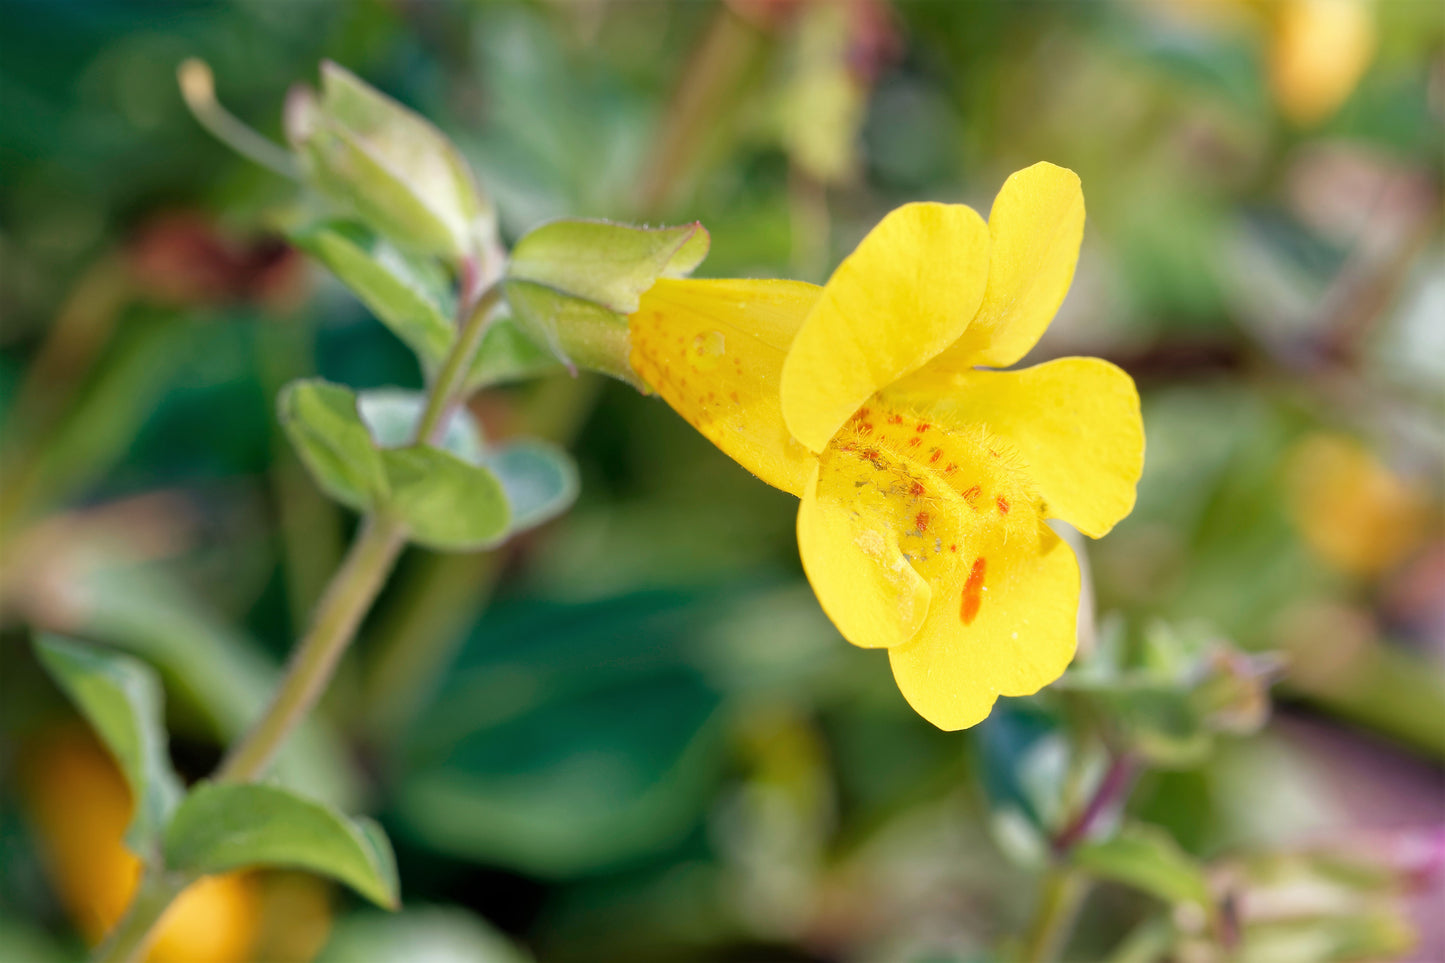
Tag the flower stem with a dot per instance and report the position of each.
(347, 599)
(1061, 896)
(450, 386)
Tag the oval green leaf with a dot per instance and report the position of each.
(540, 480)
(1148, 859)
(446, 503)
(409, 295)
(221, 827)
(121, 698)
(323, 423)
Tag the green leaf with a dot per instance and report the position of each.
(436, 934)
(392, 414)
(446, 503)
(224, 826)
(323, 423)
(507, 355)
(572, 283)
(540, 480)
(608, 264)
(409, 295)
(121, 698)
(220, 678)
(569, 738)
(1148, 859)
(391, 167)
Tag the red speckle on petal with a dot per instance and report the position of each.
(867, 428)
(916, 490)
(1002, 504)
(950, 469)
(973, 591)
(895, 419)
(914, 441)
(937, 454)
(861, 414)
(923, 427)
(972, 494)
(921, 520)
(953, 548)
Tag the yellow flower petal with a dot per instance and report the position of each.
(1036, 226)
(1005, 625)
(1074, 421)
(897, 504)
(714, 351)
(848, 535)
(906, 293)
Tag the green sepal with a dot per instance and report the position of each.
(572, 283)
(121, 698)
(227, 826)
(389, 166)
(507, 355)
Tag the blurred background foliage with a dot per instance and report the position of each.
(632, 735)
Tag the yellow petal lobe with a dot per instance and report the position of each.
(1035, 226)
(1075, 421)
(898, 506)
(849, 537)
(1004, 625)
(906, 292)
(714, 351)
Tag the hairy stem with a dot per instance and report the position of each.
(346, 601)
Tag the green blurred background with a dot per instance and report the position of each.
(632, 735)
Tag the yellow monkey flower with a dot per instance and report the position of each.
(925, 478)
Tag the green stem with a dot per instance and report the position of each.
(449, 389)
(132, 936)
(1062, 894)
(347, 599)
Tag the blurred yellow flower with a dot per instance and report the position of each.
(1317, 49)
(1353, 511)
(925, 480)
(80, 806)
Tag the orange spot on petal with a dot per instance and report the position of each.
(973, 591)
(916, 490)
(921, 520)
(1002, 504)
